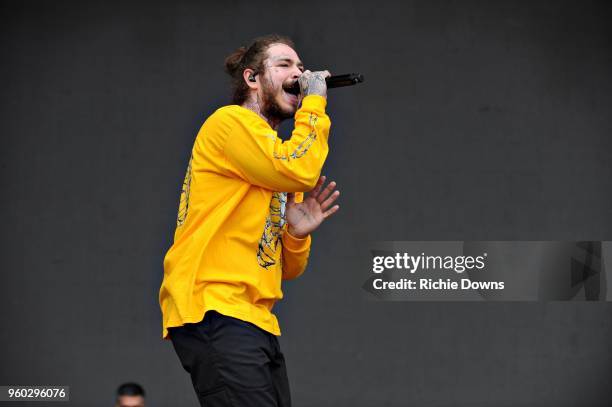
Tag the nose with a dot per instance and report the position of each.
(296, 73)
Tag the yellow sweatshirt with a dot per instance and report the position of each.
(231, 248)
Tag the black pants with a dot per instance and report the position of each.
(232, 363)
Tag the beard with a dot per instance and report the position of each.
(270, 107)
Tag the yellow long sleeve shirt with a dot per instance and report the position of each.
(231, 248)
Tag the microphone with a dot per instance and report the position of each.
(335, 81)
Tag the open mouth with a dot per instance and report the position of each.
(293, 99)
(292, 89)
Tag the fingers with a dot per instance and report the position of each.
(313, 83)
(326, 197)
(307, 73)
(331, 211)
(304, 76)
(326, 192)
(317, 189)
(325, 204)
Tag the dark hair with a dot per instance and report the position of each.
(130, 389)
(253, 58)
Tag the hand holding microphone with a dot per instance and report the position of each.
(317, 83)
(313, 83)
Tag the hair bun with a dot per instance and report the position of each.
(234, 60)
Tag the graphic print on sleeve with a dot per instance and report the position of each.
(270, 238)
(184, 200)
(303, 147)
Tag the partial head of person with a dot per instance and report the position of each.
(262, 73)
(130, 395)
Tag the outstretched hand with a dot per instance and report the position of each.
(304, 217)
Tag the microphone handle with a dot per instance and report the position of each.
(337, 81)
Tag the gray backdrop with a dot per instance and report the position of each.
(477, 121)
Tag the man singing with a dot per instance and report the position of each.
(244, 225)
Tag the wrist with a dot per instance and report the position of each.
(296, 234)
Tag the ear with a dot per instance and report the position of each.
(250, 78)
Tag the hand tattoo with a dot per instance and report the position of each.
(313, 83)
